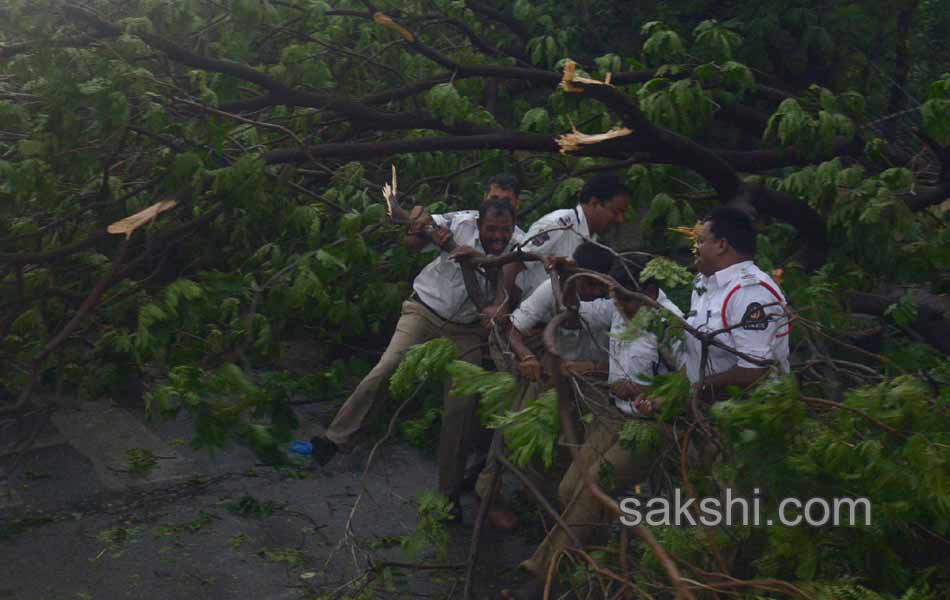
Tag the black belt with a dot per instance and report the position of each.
(415, 298)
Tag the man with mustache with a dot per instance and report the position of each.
(730, 292)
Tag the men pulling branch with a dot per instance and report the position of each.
(737, 328)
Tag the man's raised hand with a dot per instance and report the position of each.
(419, 219)
(440, 236)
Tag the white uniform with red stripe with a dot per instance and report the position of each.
(743, 296)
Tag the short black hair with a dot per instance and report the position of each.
(593, 257)
(505, 181)
(628, 273)
(735, 226)
(603, 187)
(496, 204)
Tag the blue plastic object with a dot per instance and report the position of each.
(299, 447)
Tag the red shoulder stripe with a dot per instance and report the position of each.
(725, 302)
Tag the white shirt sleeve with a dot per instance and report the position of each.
(534, 310)
(756, 324)
(598, 314)
(632, 360)
(440, 221)
(544, 236)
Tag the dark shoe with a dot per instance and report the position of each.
(533, 589)
(323, 450)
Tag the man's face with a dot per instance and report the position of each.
(707, 248)
(589, 289)
(494, 230)
(605, 214)
(497, 190)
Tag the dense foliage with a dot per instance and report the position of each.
(272, 125)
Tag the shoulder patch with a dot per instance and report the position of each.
(747, 278)
(754, 318)
(540, 239)
(565, 221)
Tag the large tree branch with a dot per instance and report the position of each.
(15, 49)
(930, 322)
(662, 143)
(755, 161)
(925, 197)
(279, 92)
(667, 146)
(506, 140)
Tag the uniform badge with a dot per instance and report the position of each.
(755, 318)
(565, 221)
(539, 239)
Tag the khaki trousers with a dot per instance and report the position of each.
(582, 512)
(417, 324)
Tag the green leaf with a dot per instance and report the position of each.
(94, 86)
(936, 116)
(536, 119)
(904, 311)
(31, 148)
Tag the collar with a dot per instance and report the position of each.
(582, 227)
(723, 277)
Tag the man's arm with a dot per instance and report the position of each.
(499, 307)
(425, 229)
(528, 363)
(755, 321)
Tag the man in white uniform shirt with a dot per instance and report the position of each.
(573, 345)
(731, 292)
(581, 351)
(632, 363)
(439, 307)
(603, 201)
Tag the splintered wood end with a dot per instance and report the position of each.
(567, 81)
(570, 79)
(384, 20)
(572, 142)
(129, 224)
